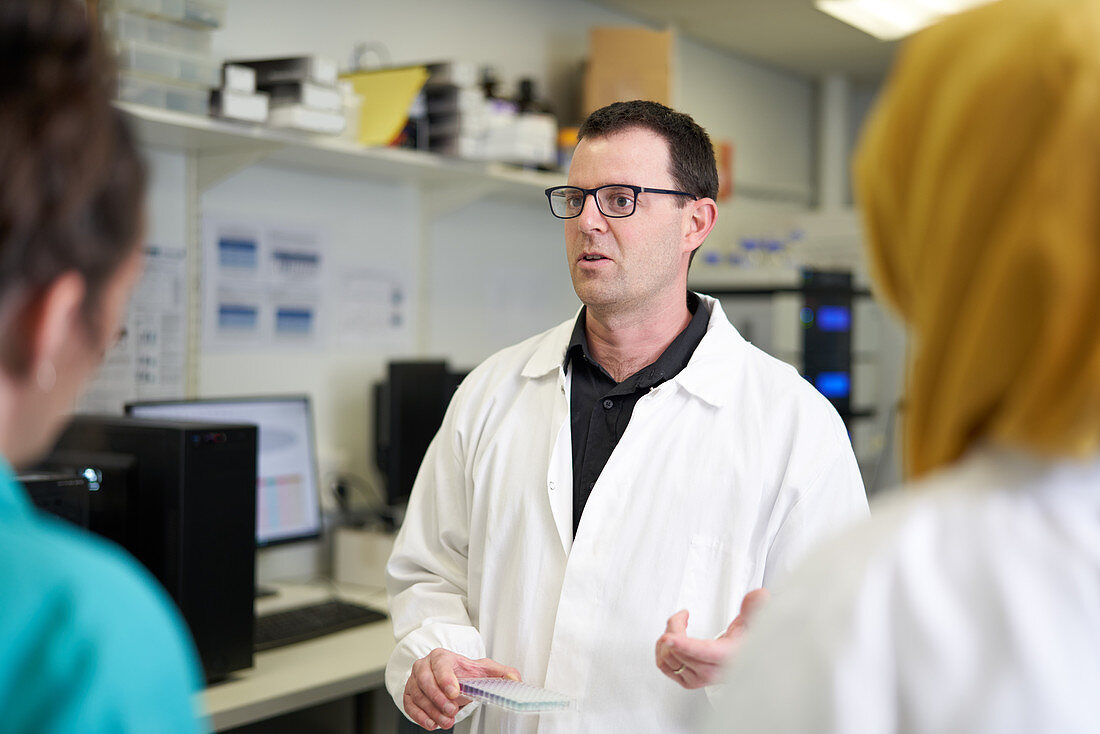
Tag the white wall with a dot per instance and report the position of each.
(862, 102)
(767, 113)
(768, 116)
(499, 275)
(166, 204)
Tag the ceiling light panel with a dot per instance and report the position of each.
(888, 20)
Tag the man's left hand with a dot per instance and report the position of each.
(694, 663)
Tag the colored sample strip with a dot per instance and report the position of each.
(514, 695)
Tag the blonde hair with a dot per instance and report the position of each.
(979, 180)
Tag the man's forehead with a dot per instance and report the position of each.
(620, 157)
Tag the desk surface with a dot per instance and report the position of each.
(306, 673)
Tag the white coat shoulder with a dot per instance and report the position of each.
(503, 373)
(799, 425)
(750, 371)
(966, 604)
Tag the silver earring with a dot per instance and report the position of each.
(46, 376)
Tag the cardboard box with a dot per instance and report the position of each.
(627, 63)
(723, 156)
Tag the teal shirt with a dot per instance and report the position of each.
(89, 642)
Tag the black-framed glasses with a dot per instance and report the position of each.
(614, 201)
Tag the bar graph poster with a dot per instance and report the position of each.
(263, 285)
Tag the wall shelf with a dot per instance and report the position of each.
(223, 147)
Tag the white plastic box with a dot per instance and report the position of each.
(233, 105)
(309, 94)
(171, 9)
(200, 13)
(206, 13)
(168, 63)
(360, 556)
(299, 117)
(241, 79)
(141, 90)
(128, 26)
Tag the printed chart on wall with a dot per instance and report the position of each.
(263, 285)
(373, 307)
(149, 359)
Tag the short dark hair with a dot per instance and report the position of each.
(72, 183)
(690, 152)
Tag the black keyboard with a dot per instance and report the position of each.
(305, 623)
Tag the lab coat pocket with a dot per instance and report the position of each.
(712, 585)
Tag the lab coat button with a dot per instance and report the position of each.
(552, 486)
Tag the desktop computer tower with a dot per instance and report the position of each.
(409, 408)
(62, 494)
(107, 479)
(190, 518)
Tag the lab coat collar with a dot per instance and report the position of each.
(549, 356)
(706, 375)
(710, 371)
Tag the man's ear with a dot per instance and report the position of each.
(703, 215)
(51, 319)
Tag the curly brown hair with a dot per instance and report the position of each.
(72, 183)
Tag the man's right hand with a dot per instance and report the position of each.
(432, 697)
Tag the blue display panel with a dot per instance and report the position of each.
(834, 318)
(834, 384)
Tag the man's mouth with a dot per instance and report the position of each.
(591, 257)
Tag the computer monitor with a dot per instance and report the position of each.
(288, 502)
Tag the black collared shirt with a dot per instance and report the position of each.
(600, 408)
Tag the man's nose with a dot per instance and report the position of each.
(591, 218)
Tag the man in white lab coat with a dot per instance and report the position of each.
(591, 482)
